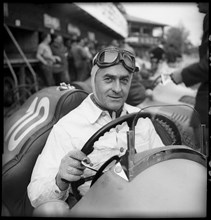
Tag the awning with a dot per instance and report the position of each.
(108, 14)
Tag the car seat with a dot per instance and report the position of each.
(25, 134)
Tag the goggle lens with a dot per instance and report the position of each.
(128, 60)
(108, 56)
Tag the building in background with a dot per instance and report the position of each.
(143, 34)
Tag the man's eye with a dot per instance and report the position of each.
(107, 79)
(125, 80)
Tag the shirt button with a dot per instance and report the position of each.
(122, 149)
(103, 114)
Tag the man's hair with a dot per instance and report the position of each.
(76, 39)
(43, 35)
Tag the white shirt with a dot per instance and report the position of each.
(70, 133)
(45, 51)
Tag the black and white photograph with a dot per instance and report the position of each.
(106, 110)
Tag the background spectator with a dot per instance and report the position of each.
(61, 67)
(157, 55)
(85, 44)
(46, 58)
(81, 59)
(71, 63)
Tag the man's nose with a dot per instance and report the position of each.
(117, 86)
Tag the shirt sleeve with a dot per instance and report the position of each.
(199, 72)
(43, 184)
(196, 73)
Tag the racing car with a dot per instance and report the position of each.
(165, 182)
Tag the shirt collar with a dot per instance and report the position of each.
(95, 111)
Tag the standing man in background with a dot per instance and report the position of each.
(157, 55)
(60, 68)
(81, 59)
(199, 72)
(46, 58)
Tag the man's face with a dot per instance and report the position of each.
(112, 86)
(59, 39)
(48, 38)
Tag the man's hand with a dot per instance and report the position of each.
(70, 169)
(57, 59)
(176, 76)
(149, 94)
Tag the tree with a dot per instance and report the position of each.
(176, 42)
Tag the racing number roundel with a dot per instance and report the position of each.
(27, 122)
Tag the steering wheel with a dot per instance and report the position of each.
(131, 120)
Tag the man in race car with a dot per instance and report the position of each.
(59, 164)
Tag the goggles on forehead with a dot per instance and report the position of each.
(112, 56)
